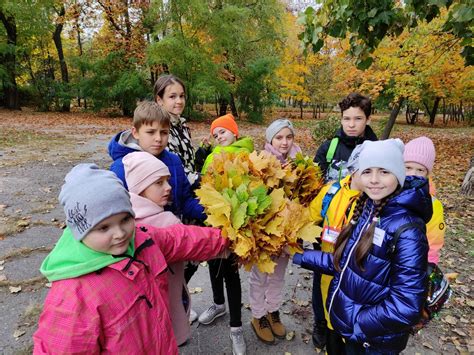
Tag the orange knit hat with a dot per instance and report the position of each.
(227, 122)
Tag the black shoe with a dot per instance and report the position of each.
(320, 331)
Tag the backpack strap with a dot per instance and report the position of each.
(335, 187)
(403, 228)
(332, 149)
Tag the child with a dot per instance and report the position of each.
(332, 208)
(280, 137)
(419, 159)
(266, 290)
(380, 256)
(333, 154)
(225, 132)
(147, 179)
(108, 276)
(332, 157)
(170, 94)
(150, 133)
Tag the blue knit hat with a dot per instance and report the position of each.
(90, 195)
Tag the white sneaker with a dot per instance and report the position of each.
(192, 316)
(238, 342)
(213, 312)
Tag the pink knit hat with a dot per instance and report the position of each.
(141, 170)
(420, 150)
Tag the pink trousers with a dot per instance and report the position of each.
(266, 290)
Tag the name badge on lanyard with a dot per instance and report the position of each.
(330, 234)
(379, 235)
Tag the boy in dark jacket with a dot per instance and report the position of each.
(333, 154)
(150, 132)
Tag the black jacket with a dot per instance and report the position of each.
(337, 168)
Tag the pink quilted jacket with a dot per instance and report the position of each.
(123, 308)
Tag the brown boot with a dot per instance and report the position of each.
(262, 329)
(278, 329)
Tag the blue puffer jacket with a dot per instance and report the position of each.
(183, 204)
(378, 306)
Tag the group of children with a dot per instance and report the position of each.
(120, 270)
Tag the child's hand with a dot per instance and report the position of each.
(206, 141)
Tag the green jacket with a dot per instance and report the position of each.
(240, 145)
(71, 258)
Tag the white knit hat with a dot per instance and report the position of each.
(276, 126)
(387, 154)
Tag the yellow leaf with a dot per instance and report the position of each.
(309, 232)
(243, 245)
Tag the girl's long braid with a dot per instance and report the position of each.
(347, 230)
(366, 241)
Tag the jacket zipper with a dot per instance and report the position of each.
(348, 259)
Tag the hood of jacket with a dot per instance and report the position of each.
(122, 144)
(295, 149)
(244, 143)
(71, 258)
(414, 197)
(353, 141)
(148, 212)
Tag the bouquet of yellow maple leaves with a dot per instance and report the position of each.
(261, 206)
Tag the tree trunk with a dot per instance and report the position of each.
(467, 187)
(392, 119)
(222, 106)
(301, 109)
(66, 106)
(433, 112)
(12, 98)
(233, 107)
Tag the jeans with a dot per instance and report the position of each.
(228, 270)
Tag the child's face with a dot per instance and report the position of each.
(415, 169)
(159, 192)
(223, 136)
(152, 138)
(112, 235)
(353, 122)
(283, 141)
(378, 183)
(173, 99)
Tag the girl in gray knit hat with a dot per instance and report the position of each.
(280, 140)
(108, 275)
(380, 257)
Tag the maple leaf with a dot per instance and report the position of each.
(257, 203)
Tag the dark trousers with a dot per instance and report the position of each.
(353, 348)
(189, 270)
(335, 344)
(227, 270)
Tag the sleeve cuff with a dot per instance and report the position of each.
(297, 258)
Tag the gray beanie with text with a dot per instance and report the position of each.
(90, 195)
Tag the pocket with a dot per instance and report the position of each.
(131, 326)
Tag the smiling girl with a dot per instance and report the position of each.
(378, 289)
(170, 94)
